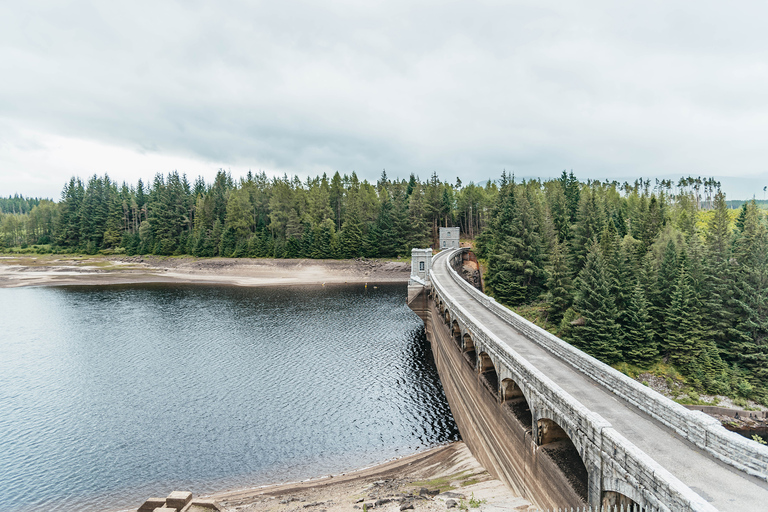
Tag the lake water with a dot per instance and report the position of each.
(109, 395)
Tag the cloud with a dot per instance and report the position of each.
(465, 89)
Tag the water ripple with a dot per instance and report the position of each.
(118, 393)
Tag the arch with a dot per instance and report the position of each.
(470, 354)
(513, 399)
(556, 443)
(488, 373)
(447, 317)
(468, 343)
(613, 500)
(456, 332)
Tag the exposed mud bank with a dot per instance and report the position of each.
(53, 270)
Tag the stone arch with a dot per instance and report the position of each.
(514, 400)
(488, 373)
(562, 449)
(618, 493)
(456, 332)
(470, 352)
(468, 344)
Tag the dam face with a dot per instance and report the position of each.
(498, 429)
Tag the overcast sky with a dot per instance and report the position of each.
(608, 89)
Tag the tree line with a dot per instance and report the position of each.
(639, 274)
(282, 217)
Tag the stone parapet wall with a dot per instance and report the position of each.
(704, 431)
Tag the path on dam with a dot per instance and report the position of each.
(723, 486)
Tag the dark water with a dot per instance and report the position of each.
(111, 394)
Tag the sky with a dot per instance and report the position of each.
(610, 90)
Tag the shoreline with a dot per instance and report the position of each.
(423, 481)
(63, 270)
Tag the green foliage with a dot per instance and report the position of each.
(599, 335)
(663, 275)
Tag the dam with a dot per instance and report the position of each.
(563, 429)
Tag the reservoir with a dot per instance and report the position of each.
(112, 394)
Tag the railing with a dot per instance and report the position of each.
(702, 430)
(669, 492)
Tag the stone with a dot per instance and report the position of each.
(197, 505)
(450, 503)
(178, 499)
(151, 504)
(408, 505)
(382, 501)
(451, 495)
(165, 509)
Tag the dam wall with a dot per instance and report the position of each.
(499, 434)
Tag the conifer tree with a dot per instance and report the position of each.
(660, 293)
(638, 344)
(750, 340)
(589, 225)
(559, 287)
(599, 335)
(351, 237)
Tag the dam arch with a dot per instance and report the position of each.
(488, 373)
(561, 447)
(456, 332)
(513, 398)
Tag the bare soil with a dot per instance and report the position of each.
(425, 481)
(53, 270)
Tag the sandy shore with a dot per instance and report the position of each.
(56, 270)
(426, 481)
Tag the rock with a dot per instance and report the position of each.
(407, 505)
(360, 500)
(382, 501)
(450, 503)
(451, 495)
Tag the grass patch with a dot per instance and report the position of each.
(444, 483)
(536, 313)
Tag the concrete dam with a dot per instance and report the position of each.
(561, 428)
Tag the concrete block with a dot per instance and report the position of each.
(198, 505)
(165, 509)
(178, 499)
(151, 504)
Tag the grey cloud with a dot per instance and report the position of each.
(466, 89)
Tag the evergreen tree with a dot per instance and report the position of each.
(599, 335)
(589, 224)
(638, 345)
(559, 287)
(351, 238)
(750, 340)
(660, 293)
